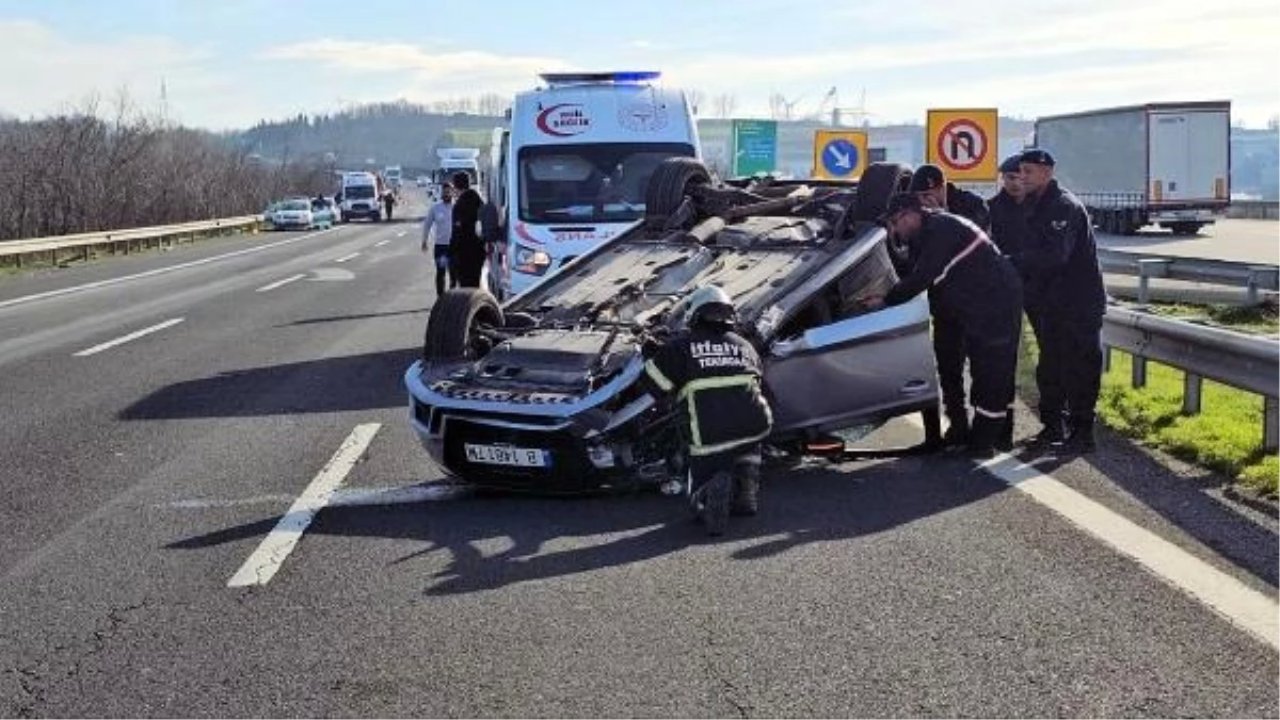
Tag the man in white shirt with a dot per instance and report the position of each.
(440, 217)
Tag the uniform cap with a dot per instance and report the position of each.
(926, 177)
(1011, 164)
(1037, 156)
(900, 202)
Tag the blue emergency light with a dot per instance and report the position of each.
(632, 76)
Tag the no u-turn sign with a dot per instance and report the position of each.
(963, 143)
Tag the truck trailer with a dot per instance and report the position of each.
(1165, 164)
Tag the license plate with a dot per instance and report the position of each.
(507, 455)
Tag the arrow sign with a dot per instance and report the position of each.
(839, 157)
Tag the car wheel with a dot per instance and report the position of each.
(455, 329)
(669, 185)
(878, 184)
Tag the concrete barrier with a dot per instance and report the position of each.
(1254, 209)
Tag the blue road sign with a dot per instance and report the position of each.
(840, 157)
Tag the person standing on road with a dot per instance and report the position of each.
(1060, 259)
(979, 289)
(716, 374)
(388, 202)
(931, 187)
(466, 246)
(440, 219)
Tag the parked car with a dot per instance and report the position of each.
(294, 213)
(324, 213)
(542, 392)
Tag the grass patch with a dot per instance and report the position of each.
(1226, 436)
(1261, 319)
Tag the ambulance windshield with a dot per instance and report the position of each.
(598, 182)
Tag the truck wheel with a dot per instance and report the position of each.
(377, 217)
(669, 185)
(454, 329)
(1185, 228)
(345, 220)
(878, 184)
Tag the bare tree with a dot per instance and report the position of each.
(697, 99)
(778, 107)
(725, 104)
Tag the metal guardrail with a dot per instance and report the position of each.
(1247, 362)
(84, 244)
(1254, 209)
(1254, 277)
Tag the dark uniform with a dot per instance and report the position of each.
(976, 288)
(1060, 260)
(716, 377)
(466, 248)
(948, 336)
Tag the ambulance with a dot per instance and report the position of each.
(571, 171)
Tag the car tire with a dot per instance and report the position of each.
(669, 185)
(454, 321)
(879, 183)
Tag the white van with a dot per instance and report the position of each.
(572, 171)
(361, 196)
(453, 160)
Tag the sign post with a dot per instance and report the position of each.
(839, 154)
(963, 143)
(755, 147)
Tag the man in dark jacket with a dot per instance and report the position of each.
(716, 375)
(931, 187)
(1008, 212)
(1060, 259)
(973, 284)
(466, 248)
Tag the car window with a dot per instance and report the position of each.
(598, 182)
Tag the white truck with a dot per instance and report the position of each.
(360, 196)
(453, 160)
(394, 175)
(572, 170)
(1167, 164)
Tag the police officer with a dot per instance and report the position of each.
(716, 373)
(931, 187)
(977, 287)
(1060, 259)
(1008, 213)
(466, 248)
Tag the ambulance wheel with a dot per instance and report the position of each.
(458, 323)
(670, 184)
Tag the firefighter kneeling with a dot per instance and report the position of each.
(715, 373)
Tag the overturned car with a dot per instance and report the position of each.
(542, 393)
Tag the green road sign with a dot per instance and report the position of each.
(755, 147)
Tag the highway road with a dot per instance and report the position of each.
(1255, 241)
(163, 413)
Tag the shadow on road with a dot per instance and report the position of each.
(362, 316)
(817, 504)
(354, 382)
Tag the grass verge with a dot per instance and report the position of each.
(1226, 436)
(1261, 319)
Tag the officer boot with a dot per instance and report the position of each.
(1081, 438)
(1004, 440)
(982, 437)
(957, 434)
(1052, 435)
(746, 496)
(716, 497)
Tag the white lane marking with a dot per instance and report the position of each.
(157, 271)
(402, 233)
(1254, 611)
(280, 283)
(384, 242)
(345, 258)
(332, 275)
(276, 546)
(126, 338)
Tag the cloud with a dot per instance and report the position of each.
(427, 74)
(47, 72)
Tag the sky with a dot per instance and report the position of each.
(227, 64)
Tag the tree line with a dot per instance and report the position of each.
(90, 171)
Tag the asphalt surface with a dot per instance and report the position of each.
(138, 479)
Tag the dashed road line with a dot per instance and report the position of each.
(402, 233)
(345, 258)
(152, 273)
(381, 243)
(280, 283)
(1256, 612)
(127, 338)
(266, 560)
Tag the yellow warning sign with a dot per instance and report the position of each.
(964, 143)
(839, 154)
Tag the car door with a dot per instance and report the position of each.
(850, 366)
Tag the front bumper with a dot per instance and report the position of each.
(578, 457)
